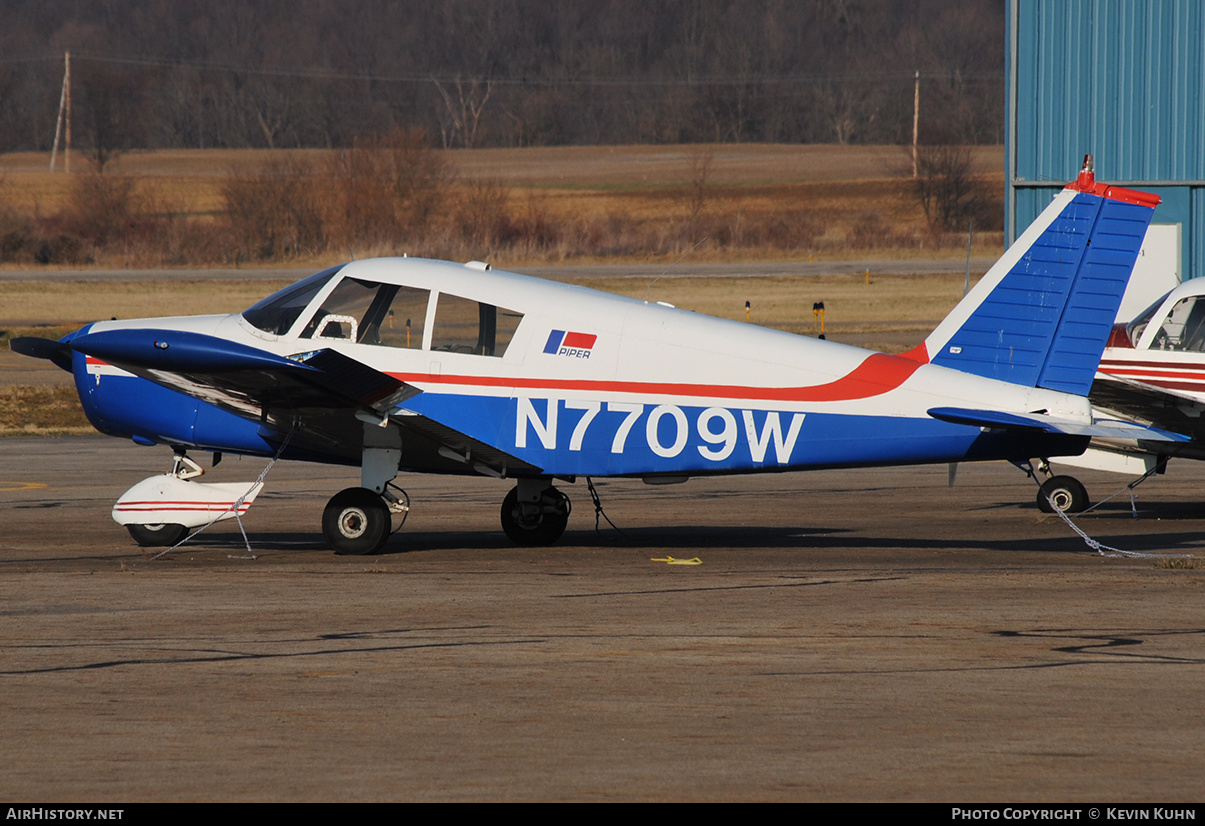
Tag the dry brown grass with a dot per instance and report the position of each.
(560, 167)
(41, 411)
(896, 302)
(557, 203)
(529, 206)
(79, 302)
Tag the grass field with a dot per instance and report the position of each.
(604, 203)
(573, 184)
(193, 174)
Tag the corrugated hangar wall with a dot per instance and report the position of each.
(1123, 80)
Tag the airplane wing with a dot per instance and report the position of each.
(322, 396)
(1159, 406)
(1045, 423)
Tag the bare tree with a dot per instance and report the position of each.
(699, 167)
(463, 111)
(945, 188)
(110, 102)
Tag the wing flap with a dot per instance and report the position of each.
(464, 449)
(1159, 406)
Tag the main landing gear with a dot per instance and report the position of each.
(535, 513)
(160, 535)
(358, 521)
(1067, 493)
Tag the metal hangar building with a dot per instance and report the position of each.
(1123, 80)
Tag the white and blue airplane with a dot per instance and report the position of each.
(413, 365)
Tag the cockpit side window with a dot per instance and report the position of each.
(368, 312)
(466, 326)
(343, 312)
(1184, 327)
(277, 313)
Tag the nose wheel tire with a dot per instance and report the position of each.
(1068, 494)
(531, 523)
(356, 522)
(157, 536)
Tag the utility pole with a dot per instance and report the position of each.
(64, 114)
(915, 122)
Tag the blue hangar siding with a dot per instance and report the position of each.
(1122, 79)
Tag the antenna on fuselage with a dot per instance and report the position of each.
(649, 291)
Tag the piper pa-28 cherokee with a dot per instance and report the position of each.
(430, 366)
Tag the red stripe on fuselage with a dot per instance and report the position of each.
(1161, 365)
(1125, 372)
(918, 353)
(878, 374)
(1196, 386)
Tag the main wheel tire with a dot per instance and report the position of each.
(540, 528)
(1068, 494)
(356, 522)
(157, 536)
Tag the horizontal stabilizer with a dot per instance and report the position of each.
(1041, 422)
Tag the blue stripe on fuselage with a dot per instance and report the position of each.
(137, 408)
(572, 437)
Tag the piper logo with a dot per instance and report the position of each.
(575, 345)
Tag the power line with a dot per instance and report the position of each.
(377, 77)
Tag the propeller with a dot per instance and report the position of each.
(58, 352)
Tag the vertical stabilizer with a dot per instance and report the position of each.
(1041, 316)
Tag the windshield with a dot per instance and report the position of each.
(278, 312)
(1136, 327)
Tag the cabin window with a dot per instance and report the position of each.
(404, 319)
(367, 312)
(1184, 327)
(466, 326)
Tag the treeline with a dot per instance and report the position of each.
(474, 73)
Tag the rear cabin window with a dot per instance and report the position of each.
(463, 325)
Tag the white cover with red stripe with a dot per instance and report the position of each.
(167, 499)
